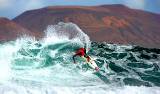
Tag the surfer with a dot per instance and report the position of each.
(82, 53)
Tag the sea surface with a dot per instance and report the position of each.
(30, 66)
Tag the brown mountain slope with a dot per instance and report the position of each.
(10, 30)
(110, 23)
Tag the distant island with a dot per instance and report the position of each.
(110, 23)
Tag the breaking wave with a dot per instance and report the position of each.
(29, 66)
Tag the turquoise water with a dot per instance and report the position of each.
(29, 66)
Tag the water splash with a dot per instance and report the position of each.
(67, 31)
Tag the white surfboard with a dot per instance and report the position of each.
(92, 64)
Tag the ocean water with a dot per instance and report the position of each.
(28, 66)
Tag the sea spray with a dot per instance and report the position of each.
(64, 31)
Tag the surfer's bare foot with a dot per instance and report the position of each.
(97, 69)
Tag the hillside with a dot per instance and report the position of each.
(110, 23)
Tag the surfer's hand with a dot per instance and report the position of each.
(97, 69)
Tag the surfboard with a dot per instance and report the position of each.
(93, 64)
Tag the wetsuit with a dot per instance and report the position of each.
(81, 52)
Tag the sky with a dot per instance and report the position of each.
(13, 8)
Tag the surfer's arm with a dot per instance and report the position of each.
(74, 58)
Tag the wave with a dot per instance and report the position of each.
(46, 66)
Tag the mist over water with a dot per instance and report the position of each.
(29, 66)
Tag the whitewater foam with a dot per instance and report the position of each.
(14, 89)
